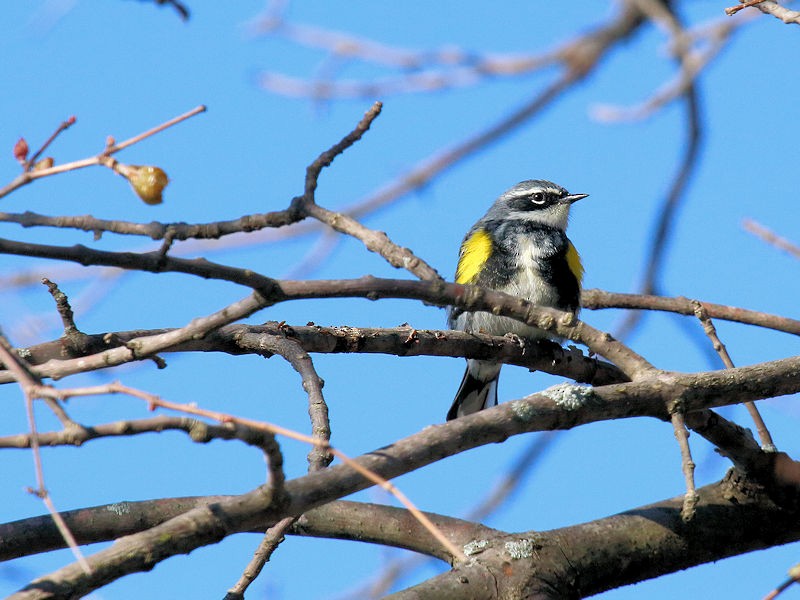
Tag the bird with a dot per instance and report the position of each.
(519, 247)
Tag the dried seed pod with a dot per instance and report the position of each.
(148, 182)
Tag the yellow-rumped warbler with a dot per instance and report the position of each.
(518, 247)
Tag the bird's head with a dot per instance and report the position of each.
(538, 201)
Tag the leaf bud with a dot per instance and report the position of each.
(21, 150)
(43, 164)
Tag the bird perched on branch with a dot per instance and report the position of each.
(518, 247)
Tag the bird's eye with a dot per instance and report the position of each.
(538, 198)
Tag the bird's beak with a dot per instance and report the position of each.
(573, 198)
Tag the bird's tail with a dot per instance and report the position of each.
(478, 389)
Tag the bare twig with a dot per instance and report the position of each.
(199, 431)
(794, 577)
(708, 326)
(155, 230)
(732, 10)
(594, 299)
(579, 58)
(63, 307)
(180, 7)
(456, 553)
(30, 386)
(271, 540)
(514, 477)
(250, 339)
(375, 241)
(60, 129)
(509, 483)
(769, 7)
(424, 70)
(293, 352)
(202, 526)
(687, 464)
(146, 347)
(270, 291)
(326, 158)
(103, 158)
(666, 219)
(268, 444)
(114, 148)
(691, 61)
(771, 237)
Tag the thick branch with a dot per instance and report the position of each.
(399, 341)
(733, 517)
(549, 410)
(271, 291)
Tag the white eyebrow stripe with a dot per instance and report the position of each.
(531, 192)
(518, 194)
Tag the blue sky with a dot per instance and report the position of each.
(125, 66)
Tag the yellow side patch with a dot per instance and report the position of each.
(475, 251)
(574, 263)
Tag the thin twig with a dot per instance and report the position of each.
(708, 326)
(768, 7)
(60, 129)
(269, 445)
(322, 248)
(239, 339)
(103, 158)
(424, 520)
(594, 299)
(29, 385)
(160, 231)
(180, 8)
(197, 430)
(794, 577)
(771, 237)
(665, 224)
(62, 306)
(318, 458)
(157, 129)
(691, 61)
(326, 158)
(501, 492)
(145, 347)
(271, 540)
(270, 291)
(423, 71)
(199, 527)
(375, 241)
(732, 10)
(293, 352)
(687, 465)
(451, 61)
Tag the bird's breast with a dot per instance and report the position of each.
(532, 263)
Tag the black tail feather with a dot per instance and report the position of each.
(474, 394)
